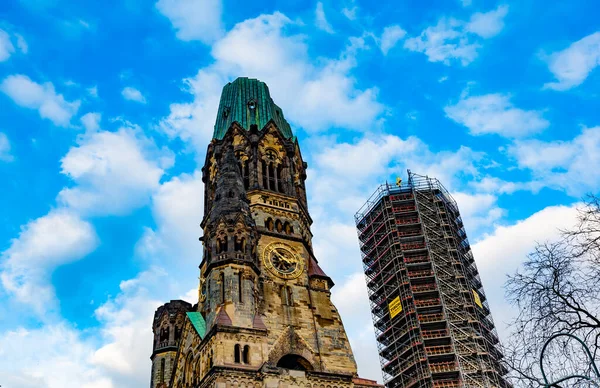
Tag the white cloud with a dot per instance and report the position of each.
(494, 113)
(42, 97)
(321, 19)
(114, 172)
(6, 47)
(116, 354)
(324, 95)
(488, 24)
(132, 94)
(53, 356)
(22, 44)
(5, 154)
(93, 91)
(55, 239)
(391, 35)
(177, 208)
(455, 40)
(194, 19)
(91, 121)
(503, 252)
(572, 65)
(127, 331)
(352, 301)
(569, 165)
(350, 13)
(479, 211)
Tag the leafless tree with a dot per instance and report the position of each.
(557, 291)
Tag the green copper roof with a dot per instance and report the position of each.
(198, 322)
(248, 102)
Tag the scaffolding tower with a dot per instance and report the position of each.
(432, 320)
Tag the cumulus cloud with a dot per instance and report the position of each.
(455, 40)
(572, 65)
(41, 97)
(55, 239)
(132, 94)
(53, 356)
(479, 211)
(57, 355)
(91, 121)
(391, 35)
(350, 13)
(177, 208)
(494, 113)
(6, 47)
(127, 331)
(324, 95)
(567, 165)
(5, 154)
(352, 301)
(114, 172)
(489, 24)
(504, 250)
(321, 19)
(194, 19)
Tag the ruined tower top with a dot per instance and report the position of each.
(247, 101)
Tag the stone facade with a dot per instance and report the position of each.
(263, 299)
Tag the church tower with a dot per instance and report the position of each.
(264, 317)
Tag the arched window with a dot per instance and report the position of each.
(294, 362)
(286, 296)
(222, 287)
(288, 228)
(162, 370)
(269, 224)
(246, 173)
(240, 287)
(189, 369)
(279, 180)
(265, 181)
(279, 226)
(271, 177)
(236, 353)
(210, 359)
(222, 245)
(238, 244)
(246, 355)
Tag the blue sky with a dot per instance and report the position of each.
(106, 109)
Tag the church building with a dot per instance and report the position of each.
(264, 316)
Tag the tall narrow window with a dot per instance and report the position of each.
(162, 370)
(287, 296)
(246, 173)
(264, 175)
(279, 180)
(246, 355)
(236, 353)
(271, 177)
(270, 225)
(240, 287)
(222, 287)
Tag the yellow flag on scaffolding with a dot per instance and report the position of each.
(477, 299)
(395, 307)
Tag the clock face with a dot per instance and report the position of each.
(281, 260)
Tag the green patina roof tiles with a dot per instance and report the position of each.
(234, 107)
(198, 323)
